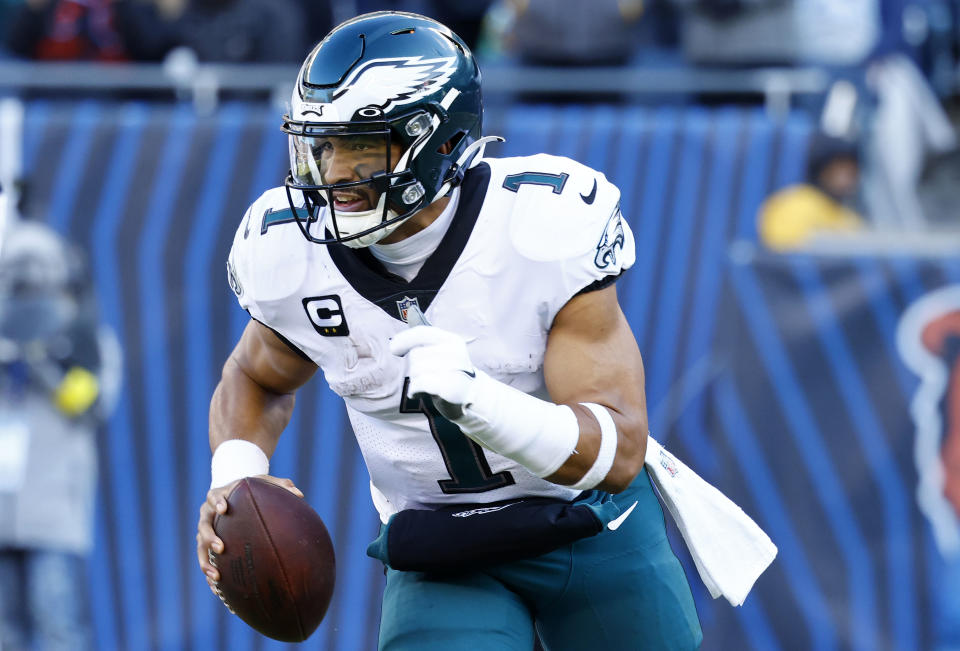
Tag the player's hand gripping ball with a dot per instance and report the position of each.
(277, 567)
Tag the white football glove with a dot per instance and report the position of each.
(438, 364)
(535, 433)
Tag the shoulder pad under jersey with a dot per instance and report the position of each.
(268, 258)
(562, 210)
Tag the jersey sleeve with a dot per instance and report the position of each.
(610, 254)
(240, 272)
(265, 265)
(574, 226)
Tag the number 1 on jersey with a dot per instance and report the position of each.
(555, 181)
(464, 459)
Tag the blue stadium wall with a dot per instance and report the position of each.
(776, 378)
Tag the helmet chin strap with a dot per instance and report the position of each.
(368, 219)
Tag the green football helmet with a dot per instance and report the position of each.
(374, 104)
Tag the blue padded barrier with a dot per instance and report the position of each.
(776, 378)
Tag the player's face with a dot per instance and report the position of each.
(330, 160)
(840, 178)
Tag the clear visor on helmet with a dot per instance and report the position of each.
(333, 159)
(349, 167)
(358, 171)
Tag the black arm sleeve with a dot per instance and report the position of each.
(604, 282)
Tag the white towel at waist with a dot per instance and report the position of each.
(729, 549)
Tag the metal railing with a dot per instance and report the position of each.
(205, 84)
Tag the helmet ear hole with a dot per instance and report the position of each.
(452, 143)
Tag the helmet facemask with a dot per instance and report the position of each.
(359, 171)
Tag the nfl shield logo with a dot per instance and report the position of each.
(669, 463)
(404, 305)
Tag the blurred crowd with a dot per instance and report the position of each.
(149, 30)
(225, 31)
(702, 32)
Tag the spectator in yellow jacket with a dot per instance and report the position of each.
(822, 205)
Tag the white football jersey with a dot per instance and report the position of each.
(528, 235)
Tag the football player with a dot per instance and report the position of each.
(465, 309)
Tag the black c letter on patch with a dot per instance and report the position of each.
(326, 315)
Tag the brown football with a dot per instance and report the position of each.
(277, 568)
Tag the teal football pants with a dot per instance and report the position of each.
(622, 589)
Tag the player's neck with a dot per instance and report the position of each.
(418, 222)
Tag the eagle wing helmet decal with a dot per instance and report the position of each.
(386, 83)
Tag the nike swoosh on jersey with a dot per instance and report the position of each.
(588, 198)
(469, 373)
(615, 524)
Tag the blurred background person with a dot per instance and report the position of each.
(64, 30)
(554, 32)
(909, 132)
(825, 204)
(54, 392)
(222, 31)
(559, 34)
(772, 32)
(225, 31)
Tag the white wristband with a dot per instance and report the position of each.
(537, 434)
(608, 448)
(237, 458)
